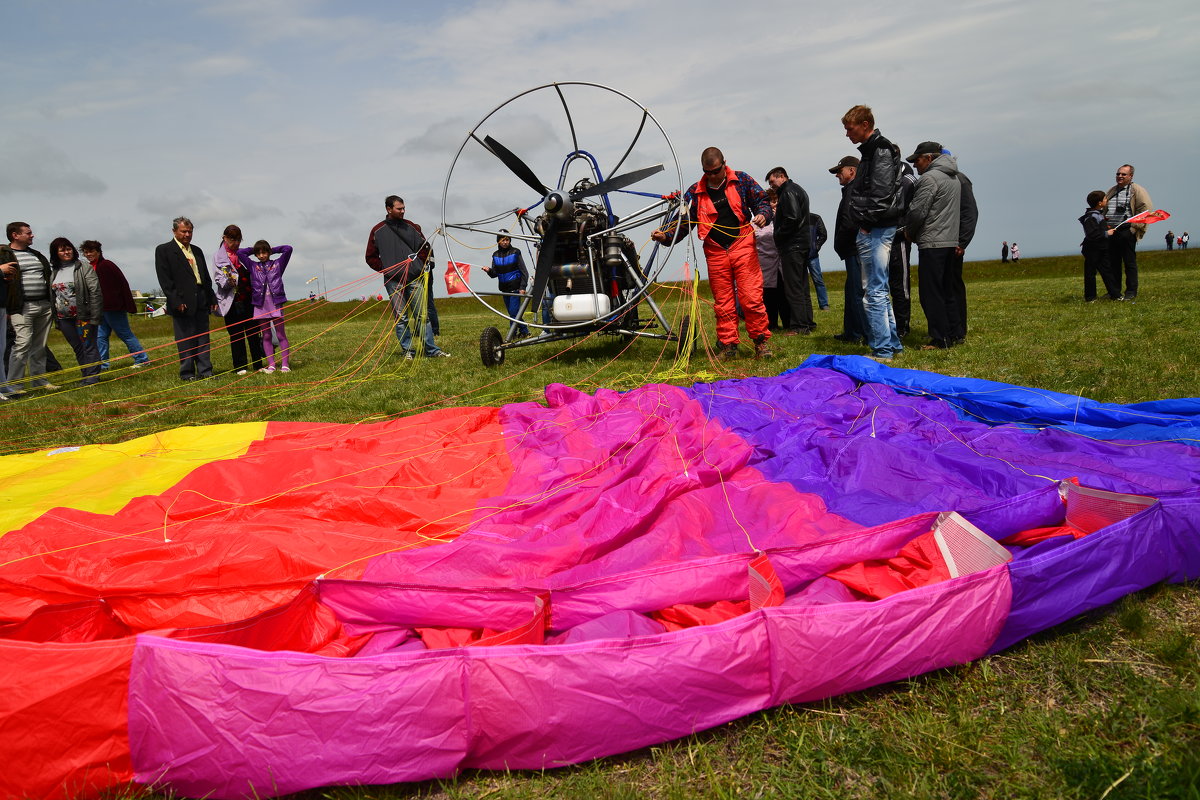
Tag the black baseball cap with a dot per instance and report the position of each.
(847, 161)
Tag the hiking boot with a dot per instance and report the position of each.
(727, 352)
(762, 350)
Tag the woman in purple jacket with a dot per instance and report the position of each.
(267, 296)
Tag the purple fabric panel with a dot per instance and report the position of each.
(226, 722)
(825, 650)
(1053, 584)
(612, 483)
(874, 454)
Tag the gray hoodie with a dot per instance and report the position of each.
(933, 212)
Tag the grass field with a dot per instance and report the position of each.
(1107, 705)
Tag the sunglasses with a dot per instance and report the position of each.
(715, 170)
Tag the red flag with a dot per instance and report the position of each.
(457, 275)
(1148, 217)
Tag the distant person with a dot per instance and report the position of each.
(397, 249)
(267, 296)
(231, 279)
(1095, 249)
(1124, 200)
(845, 233)
(29, 309)
(726, 206)
(78, 306)
(900, 259)
(768, 259)
(875, 205)
(184, 279)
(1170, 240)
(932, 222)
(1004, 253)
(818, 236)
(1015, 252)
(1183, 240)
(118, 305)
(793, 230)
(508, 267)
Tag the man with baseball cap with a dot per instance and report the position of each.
(932, 222)
(854, 318)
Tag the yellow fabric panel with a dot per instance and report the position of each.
(102, 478)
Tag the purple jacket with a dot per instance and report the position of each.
(268, 275)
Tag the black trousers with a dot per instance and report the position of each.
(778, 312)
(1095, 262)
(959, 287)
(191, 338)
(938, 298)
(900, 282)
(1122, 252)
(244, 331)
(793, 272)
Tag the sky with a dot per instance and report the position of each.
(295, 119)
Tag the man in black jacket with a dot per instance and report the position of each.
(184, 279)
(397, 249)
(792, 241)
(876, 207)
(819, 237)
(854, 317)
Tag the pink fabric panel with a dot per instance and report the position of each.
(827, 650)
(223, 722)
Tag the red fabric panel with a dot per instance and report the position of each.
(1035, 535)
(247, 534)
(683, 616)
(917, 564)
(89, 621)
(63, 711)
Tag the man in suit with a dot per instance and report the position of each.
(184, 279)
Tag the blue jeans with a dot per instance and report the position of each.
(512, 302)
(409, 299)
(118, 322)
(814, 271)
(3, 347)
(874, 250)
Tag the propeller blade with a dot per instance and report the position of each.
(618, 182)
(517, 166)
(541, 272)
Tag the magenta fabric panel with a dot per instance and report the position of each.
(226, 722)
(613, 483)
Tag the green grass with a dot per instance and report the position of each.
(1106, 703)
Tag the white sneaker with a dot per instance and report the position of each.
(285, 369)
(269, 370)
(409, 356)
(442, 354)
(136, 365)
(241, 372)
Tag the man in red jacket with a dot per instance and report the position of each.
(723, 205)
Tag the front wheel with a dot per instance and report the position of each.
(490, 351)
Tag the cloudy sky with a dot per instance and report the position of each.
(294, 119)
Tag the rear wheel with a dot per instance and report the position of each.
(687, 338)
(490, 351)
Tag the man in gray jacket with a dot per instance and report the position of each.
(933, 223)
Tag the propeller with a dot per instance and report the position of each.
(541, 271)
(617, 182)
(516, 165)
